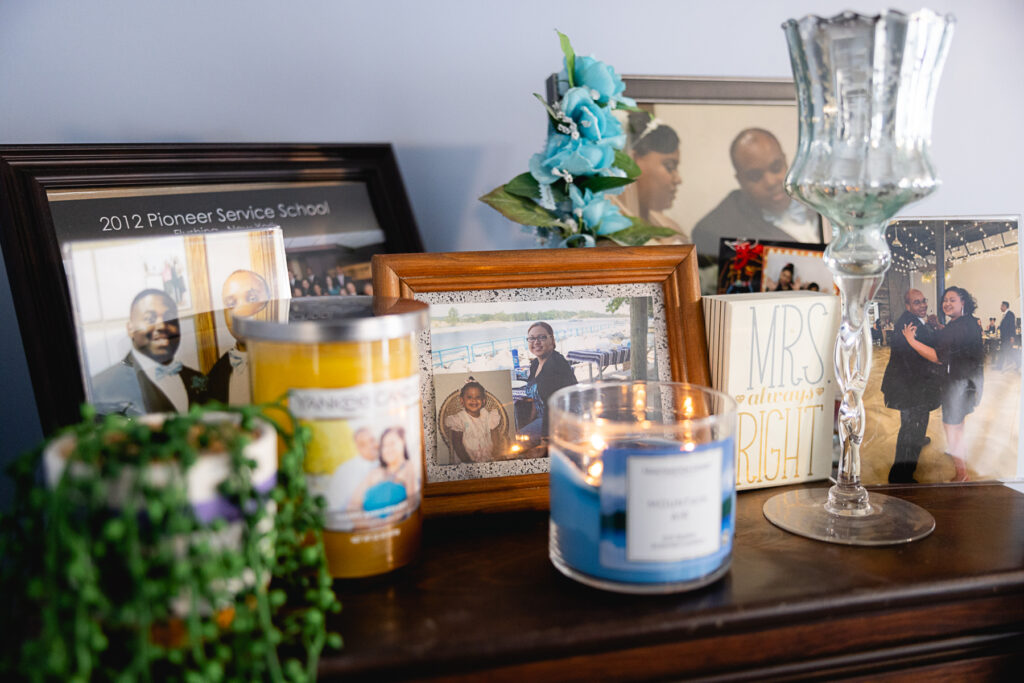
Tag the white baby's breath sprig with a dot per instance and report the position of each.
(562, 173)
(566, 126)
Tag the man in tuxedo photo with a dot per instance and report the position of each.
(244, 292)
(149, 379)
(911, 385)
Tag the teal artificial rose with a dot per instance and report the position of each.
(597, 213)
(598, 77)
(594, 122)
(565, 155)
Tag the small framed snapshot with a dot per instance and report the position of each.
(714, 154)
(794, 267)
(943, 400)
(746, 266)
(87, 229)
(508, 329)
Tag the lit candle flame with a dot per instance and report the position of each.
(598, 442)
(640, 403)
(595, 469)
(688, 407)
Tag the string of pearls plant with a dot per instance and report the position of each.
(110, 574)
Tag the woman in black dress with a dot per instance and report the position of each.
(549, 372)
(960, 349)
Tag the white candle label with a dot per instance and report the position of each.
(673, 506)
(364, 454)
(354, 402)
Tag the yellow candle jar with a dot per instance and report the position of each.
(347, 368)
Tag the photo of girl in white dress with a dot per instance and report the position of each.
(474, 422)
(474, 430)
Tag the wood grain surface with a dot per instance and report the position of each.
(484, 599)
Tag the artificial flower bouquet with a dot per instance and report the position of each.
(565, 194)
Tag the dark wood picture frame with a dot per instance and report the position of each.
(707, 113)
(707, 90)
(32, 250)
(674, 268)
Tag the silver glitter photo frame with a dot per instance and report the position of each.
(484, 306)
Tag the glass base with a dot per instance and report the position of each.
(891, 520)
(638, 588)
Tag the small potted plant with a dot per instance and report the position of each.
(179, 547)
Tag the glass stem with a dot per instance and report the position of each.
(853, 365)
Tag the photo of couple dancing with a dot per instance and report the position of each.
(935, 365)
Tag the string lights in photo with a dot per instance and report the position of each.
(914, 241)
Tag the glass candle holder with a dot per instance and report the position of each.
(643, 485)
(347, 369)
(866, 88)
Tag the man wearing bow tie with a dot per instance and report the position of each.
(243, 293)
(149, 379)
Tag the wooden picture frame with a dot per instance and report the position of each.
(705, 115)
(52, 196)
(537, 276)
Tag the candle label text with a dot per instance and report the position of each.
(673, 506)
(664, 511)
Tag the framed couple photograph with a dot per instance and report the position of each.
(715, 152)
(98, 237)
(508, 329)
(944, 395)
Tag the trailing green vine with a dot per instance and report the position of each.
(91, 587)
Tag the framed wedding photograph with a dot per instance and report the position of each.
(714, 152)
(509, 328)
(90, 231)
(944, 395)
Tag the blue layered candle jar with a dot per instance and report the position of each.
(643, 491)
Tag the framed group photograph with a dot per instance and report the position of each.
(944, 395)
(714, 154)
(510, 328)
(102, 240)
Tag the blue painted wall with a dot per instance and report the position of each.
(448, 82)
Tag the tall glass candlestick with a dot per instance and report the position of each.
(866, 90)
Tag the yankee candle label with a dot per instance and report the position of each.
(353, 402)
(673, 506)
(363, 455)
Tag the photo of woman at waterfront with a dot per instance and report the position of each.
(541, 347)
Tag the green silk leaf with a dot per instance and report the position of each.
(625, 162)
(599, 183)
(524, 185)
(519, 209)
(570, 57)
(639, 233)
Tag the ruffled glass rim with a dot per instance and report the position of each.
(848, 16)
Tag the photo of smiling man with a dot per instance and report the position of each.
(149, 379)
